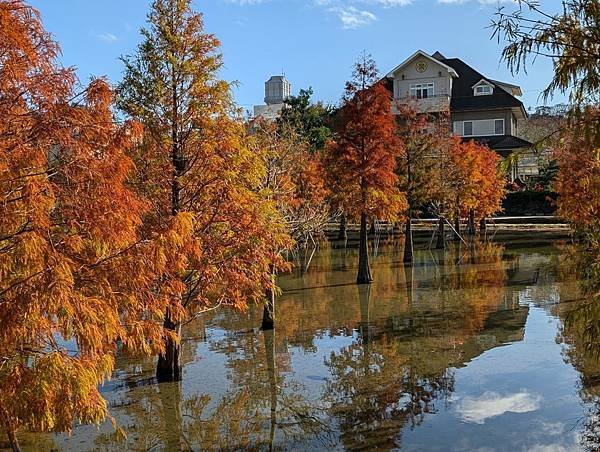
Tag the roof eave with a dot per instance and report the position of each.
(450, 70)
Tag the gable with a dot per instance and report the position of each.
(421, 65)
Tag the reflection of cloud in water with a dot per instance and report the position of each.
(490, 404)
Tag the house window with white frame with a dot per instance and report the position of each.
(484, 90)
(421, 90)
(481, 127)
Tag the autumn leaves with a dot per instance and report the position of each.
(115, 232)
(386, 167)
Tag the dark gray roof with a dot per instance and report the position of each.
(463, 98)
(501, 142)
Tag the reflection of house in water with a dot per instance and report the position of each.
(503, 326)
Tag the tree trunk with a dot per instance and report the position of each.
(268, 320)
(168, 368)
(372, 230)
(343, 232)
(408, 241)
(364, 270)
(483, 225)
(471, 222)
(457, 226)
(13, 441)
(440, 243)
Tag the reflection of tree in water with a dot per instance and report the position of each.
(412, 326)
(262, 407)
(580, 332)
(376, 389)
(400, 367)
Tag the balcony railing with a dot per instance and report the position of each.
(432, 104)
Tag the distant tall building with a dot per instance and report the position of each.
(277, 90)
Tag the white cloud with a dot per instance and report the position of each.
(491, 404)
(352, 17)
(107, 37)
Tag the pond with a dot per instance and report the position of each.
(474, 348)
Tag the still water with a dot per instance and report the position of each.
(482, 347)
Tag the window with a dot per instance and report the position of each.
(481, 127)
(483, 90)
(468, 128)
(421, 90)
(499, 126)
(456, 128)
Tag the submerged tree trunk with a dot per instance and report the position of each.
(440, 243)
(408, 241)
(457, 226)
(364, 269)
(268, 320)
(13, 441)
(471, 222)
(168, 367)
(343, 231)
(483, 225)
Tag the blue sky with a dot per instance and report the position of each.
(314, 42)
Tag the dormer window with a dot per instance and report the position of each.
(483, 88)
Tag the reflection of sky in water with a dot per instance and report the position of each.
(491, 404)
(519, 397)
(348, 358)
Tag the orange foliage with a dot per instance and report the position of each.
(362, 159)
(196, 161)
(73, 273)
(578, 179)
(294, 178)
(475, 180)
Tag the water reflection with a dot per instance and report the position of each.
(456, 352)
(580, 334)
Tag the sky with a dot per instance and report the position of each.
(313, 42)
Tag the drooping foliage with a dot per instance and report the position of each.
(578, 179)
(195, 161)
(74, 274)
(570, 39)
(568, 36)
